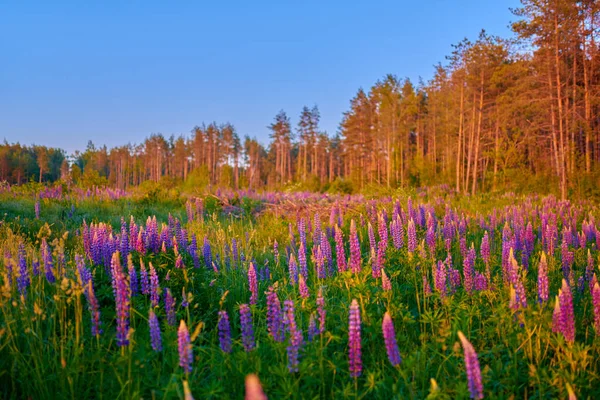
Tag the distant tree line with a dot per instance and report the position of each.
(498, 114)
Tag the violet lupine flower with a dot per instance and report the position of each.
(144, 283)
(354, 345)
(224, 332)
(252, 284)
(184, 345)
(371, 234)
(485, 248)
(386, 285)
(303, 288)
(589, 269)
(340, 253)
(154, 296)
(567, 258)
(293, 270)
(480, 281)
(312, 328)
(468, 269)
(430, 240)
(274, 317)
(389, 337)
(355, 257)
(320, 263)
(295, 338)
(94, 308)
(207, 253)
(133, 278)
(382, 229)
(326, 249)
(276, 251)
(439, 278)
(35, 267)
(155, 337)
(317, 229)
(321, 310)
(596, 306)
(122, 302)
(23, 279)
(47, 261)
(542, 281)
(412, 236)
(302, 260)
(302, 231)
(85, 275)
(472, 366)
(247, 328)
(170, 307)
(426, 286)
(567, 317)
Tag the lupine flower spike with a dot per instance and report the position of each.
(472, 367)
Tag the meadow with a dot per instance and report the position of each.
(110, 295)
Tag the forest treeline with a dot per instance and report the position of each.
(498, 114)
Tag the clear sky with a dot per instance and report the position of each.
(117, 71)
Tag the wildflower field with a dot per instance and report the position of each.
(105, 295)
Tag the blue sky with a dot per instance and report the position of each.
(117, 71)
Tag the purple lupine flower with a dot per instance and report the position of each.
(320, 263)
(122, 302)
(430, 240)
(354, 346)
(439, 278)
(47, 261)
(293, 269)
(426, 286)
(472, 366)
(485, 248)
(317, 229)
(412, 236)
(312, 328)
(23, 280)
(378, 261)
(481, 282)
(321, 310)
(303, 288)
(326, 249)
(302, 231)
(35, 267)
(567, 258)
(252, 284)
(274, 317)
(389, 337)
(302, 260)
(295, 337)
(207, 253)
(355, 257)
(155, 337)
(386, 285)
(85, 274)
(186, 355)
(596, 306)
(589, 269)
(567, 317)
(37, 209)
(94, 308)
(144, 283)
(247, 328)
(340, 253)
(371, 234)
(133, 278)
(468, 269)
(154, 296)
(542, 281)
(382, 229)
(170, 307)
(224, 332)
(276, 251)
